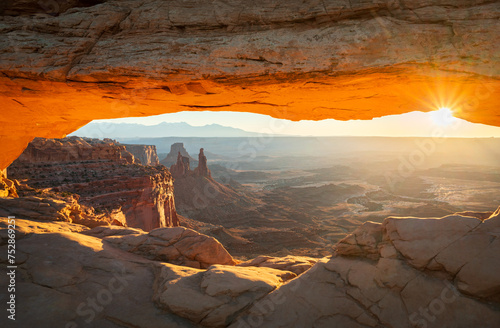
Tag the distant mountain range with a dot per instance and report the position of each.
(127, 130)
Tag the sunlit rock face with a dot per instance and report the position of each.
(104, 175)
(344, 59)
(144, 154)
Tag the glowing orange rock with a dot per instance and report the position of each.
(287, 59)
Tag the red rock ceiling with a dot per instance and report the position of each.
(288, 59)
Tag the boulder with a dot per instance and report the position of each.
(177, 245)
(213, 297)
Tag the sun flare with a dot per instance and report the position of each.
(443, 117)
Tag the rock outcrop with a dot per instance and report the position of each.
(77, 280)
(173, 156)
(144, 154)
(220, 292)
(311, 60)
(72, 149)
(181, 168)
(44, 204)
(102, 178)
(7, 186)
(178, 245)
(202, 169)
(196, 191)
(52, 206)
(115, 277)
(405, 272)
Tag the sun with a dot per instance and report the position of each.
(443, 117)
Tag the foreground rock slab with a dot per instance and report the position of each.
(177, 245)
(295, 264)
(406, 272)
(402, 273)
(214, 297)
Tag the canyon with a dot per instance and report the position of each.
(399, 272)
(98, 241)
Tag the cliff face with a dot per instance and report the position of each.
(144, 154)
(108, 183)
(340, 59)
(42, 150)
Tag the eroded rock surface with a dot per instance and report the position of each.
(62, 267)
(295, 264)
(202, 169)
(69, 279)
(172, 156)
(405, 272)
(104, 176)
(178, 245)
(48, 205)
(340, 59)
(214, 297)
(144, 154)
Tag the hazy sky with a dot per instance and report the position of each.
(410, 124)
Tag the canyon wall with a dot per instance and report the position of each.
(144, 154)
(104, 179)
(42, 150)
(340, 59)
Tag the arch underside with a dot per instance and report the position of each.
(323, 59)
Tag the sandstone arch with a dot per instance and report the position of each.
(341, 59)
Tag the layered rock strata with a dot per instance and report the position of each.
(102, 177)
(144, 154)
(340, 59)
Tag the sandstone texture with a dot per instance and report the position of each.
(182, 166)
(405, 272)
(74, 149)
(7, 187)
(202, 169)
(68, 279)
(105, 178)
(214, 297)
(117, 276)
(40, 204)
(198, 195)
(178, 245)
(295, 264)
(144, 154)
(64, 65)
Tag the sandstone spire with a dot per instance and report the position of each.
(202, 169)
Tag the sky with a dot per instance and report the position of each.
(410, 124)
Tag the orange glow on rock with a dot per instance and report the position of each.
(54, 109)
